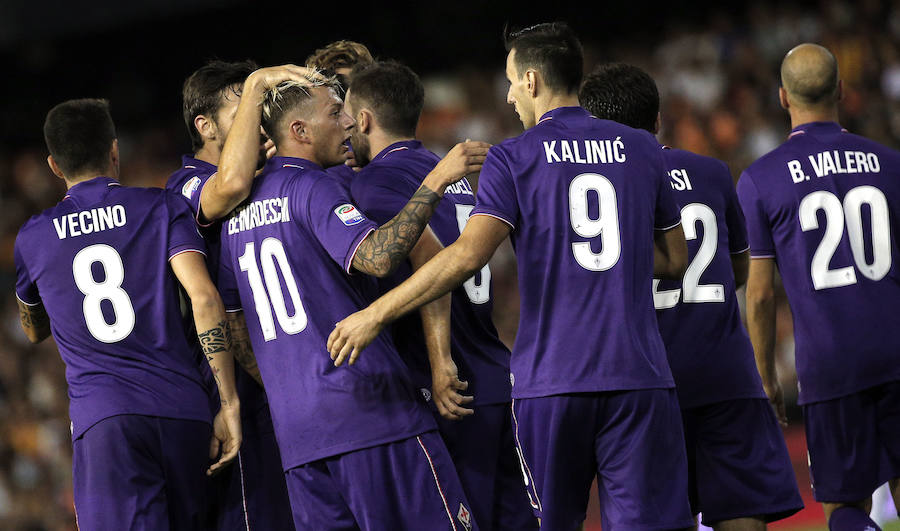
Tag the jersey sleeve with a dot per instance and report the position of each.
(183, 234)
(496, 196)
(666, 214)
(759, 233)
(734, 218)
(226, 282)
(26, 289)
(335, 221)
(381, 195)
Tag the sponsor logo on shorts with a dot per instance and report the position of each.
(348, 214)
(190, 187)
(464, 516)
(512, 379)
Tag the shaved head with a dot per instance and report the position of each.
(809, 74)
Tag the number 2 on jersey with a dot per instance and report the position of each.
(272, 258)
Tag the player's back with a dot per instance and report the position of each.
(381, 190)
(99, 263)
(699, 319)
(286, 254)
(826, 205)
(583, 196)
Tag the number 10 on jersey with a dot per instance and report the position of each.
(273, 260)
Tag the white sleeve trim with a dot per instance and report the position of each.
(28, 303)
(234, 310)
(744, 250)
(493, 216)
(353, 254)
(762, 256)
(186, 251)
(669, 227)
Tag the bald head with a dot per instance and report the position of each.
(809, 74)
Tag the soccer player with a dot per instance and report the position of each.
(386, 100)
(221, 101)
(739, 472)
(824, 208)
(99, 271)
(358, 446)
(592, 217)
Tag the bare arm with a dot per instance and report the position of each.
(445, 383)
(240, 344)
(740, 265)
(35, 321)
(446, 271)
(670, 254)
(215, 340)
(384, 249)
(237, 165)
(761, 326)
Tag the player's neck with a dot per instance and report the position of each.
(554, 101)
(379, 141)
(800, 116)
(300, 151)
(209, 154)
(77, 179)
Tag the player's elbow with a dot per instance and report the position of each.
(759, 297)
(206, 302)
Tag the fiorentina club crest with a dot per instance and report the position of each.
(464, 516)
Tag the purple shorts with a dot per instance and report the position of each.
(483, 449)
(738, 463)
(251, 493)
(405, 485)
(854, 443)
(631, 440)
(140, 472)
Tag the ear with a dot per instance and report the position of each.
(783, 98)
(365, 120)
(531, 80)
(54, 167)
(206, 127)
(301, 132)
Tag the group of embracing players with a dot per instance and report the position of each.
(345, 267)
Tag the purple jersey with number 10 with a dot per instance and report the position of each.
(99, 262)
(709, 352)
(286, 257)
(583, 197)
(826, 206)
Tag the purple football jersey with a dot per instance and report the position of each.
(826, 205)
(709, 351)
(583, 197)
(381, 190)
(189, 182)
(99, 263)
(286, 255)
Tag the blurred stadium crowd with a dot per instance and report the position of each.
(718, 81)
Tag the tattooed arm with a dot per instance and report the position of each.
(383, 250)
(215, 339)
(35, 321)
(240, 344)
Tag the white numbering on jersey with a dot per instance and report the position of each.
(606, 225)
(836, 215)
(110, 290)
(694, 291)
(272, 259)
(478, 292)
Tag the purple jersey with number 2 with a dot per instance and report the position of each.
(583, 197)
(699, 319)
(286, 257)
(98, 261)
(826, 206)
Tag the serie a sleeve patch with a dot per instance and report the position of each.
(348, 214)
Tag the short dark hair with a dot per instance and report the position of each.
(622, 93)
(285, 97)
(205, 89)
(553, 49)
(393, 92)
(79, 135)
(340, 54)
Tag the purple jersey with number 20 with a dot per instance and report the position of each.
(826, 206)
(286, 257)
(99, 263)
(583, 197)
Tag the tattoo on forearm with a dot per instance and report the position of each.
(216, 339)
(387, 247)
(242, 349)
(33, 317)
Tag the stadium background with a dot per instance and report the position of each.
(716, 68)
